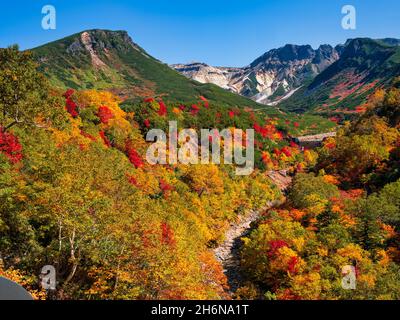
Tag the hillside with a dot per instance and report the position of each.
(77, 191)
(344, 213)
(328, 80)
(346, 85)
(101, 59)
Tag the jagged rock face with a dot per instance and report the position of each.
(88, 43)
(100, 41)
(271, 77)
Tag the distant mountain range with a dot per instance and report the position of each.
(110, 60)
(295, 77)
(299, 78)
(269, 78)
(345, 86)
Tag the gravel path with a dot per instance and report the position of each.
(228, 252)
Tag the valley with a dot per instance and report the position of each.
(77, 192)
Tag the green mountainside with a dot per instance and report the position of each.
(110, 60)
(364, 66)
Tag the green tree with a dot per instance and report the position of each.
(386, 203)
(23, 90)
(308, 188)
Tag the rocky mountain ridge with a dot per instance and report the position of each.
(269, 78)
(280, 73)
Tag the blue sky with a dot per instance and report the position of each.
(218, 32)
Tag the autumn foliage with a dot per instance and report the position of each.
(116, 226)
(104, 114)
(70, 104)
(77, 193)
(133, 155)
(343, 213)
(10, 146)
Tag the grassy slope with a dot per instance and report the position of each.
(129, 71)
(374, 59)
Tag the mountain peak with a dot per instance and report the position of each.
(110, 60)
(364, 47)
(105, 31)
(364, 65)
(390, 41)
(109, 35)
(287, 53)
(98, 40)
(108, 40)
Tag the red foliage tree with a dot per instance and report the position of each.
(68, 93)
(287, 294)
(163, 109)
(132, 180)
(274, 246)
(292, 264)
(205, 101)
(277, 152)
(146, 123)
(294, 144)
(87, 135)
(286, 151)
(10, 146)
(195, 109)
(106, 141)
(361, 109)
(133, 155)
(167, 235)
(104, 114)
(71, 107)
(165, 187)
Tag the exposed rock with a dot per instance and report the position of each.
(280, 178)
(87, 41)
(228, 252)
(75, 48)
(270, 78)
(206, 74)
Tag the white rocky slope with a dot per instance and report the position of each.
(204, 73)
(272, 77)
